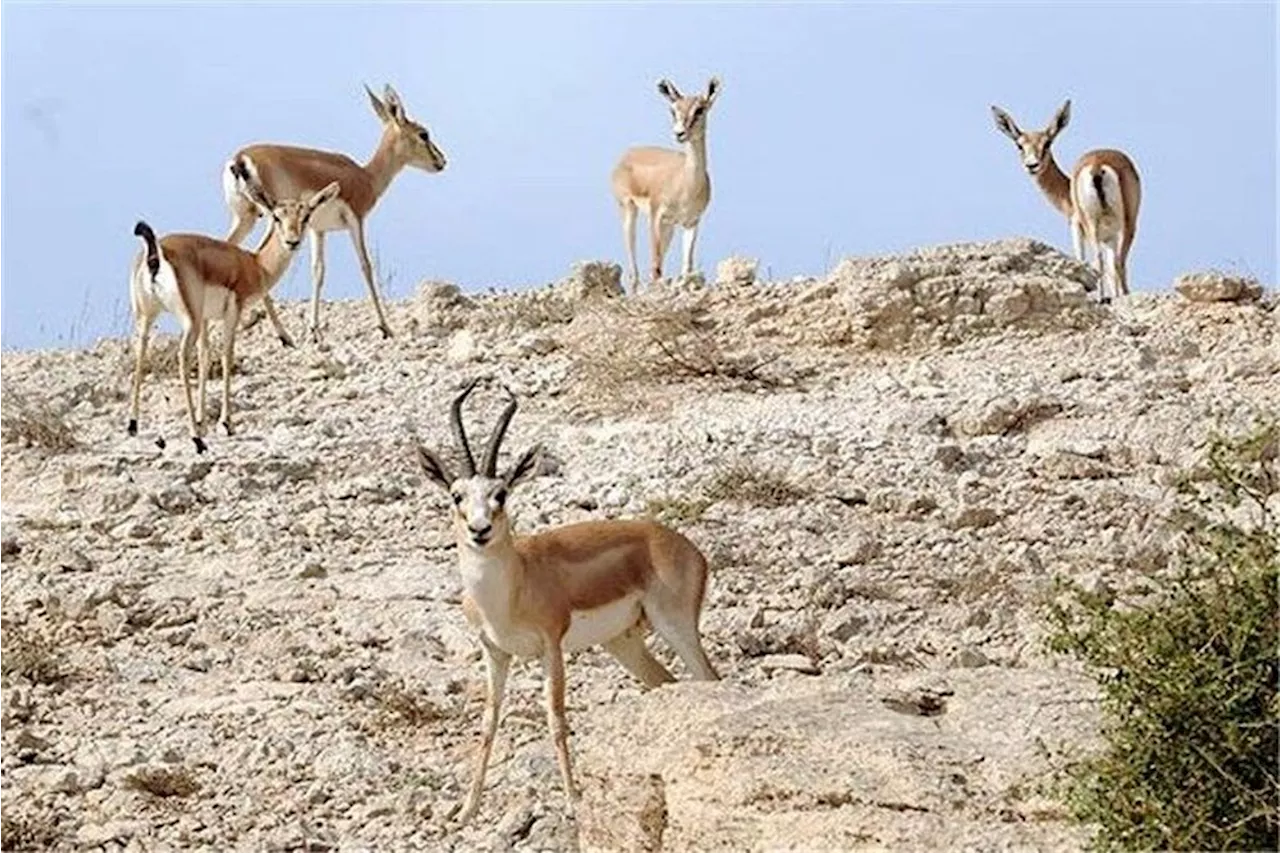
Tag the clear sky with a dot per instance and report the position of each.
(840, 129)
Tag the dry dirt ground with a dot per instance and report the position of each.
(261, 648)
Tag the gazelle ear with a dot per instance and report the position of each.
(713, 89)
(379, 108)
(325, 195)
(434, 469)
(524, 467)
(1005, 123)
(1060, 119)
(668, 90)
(395, 107)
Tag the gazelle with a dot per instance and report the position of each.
(288, 172)
(579, 585)
(200, 279)
(672, 187)
(1100, 199)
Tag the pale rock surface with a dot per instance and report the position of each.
(1217, 287)
(886, 468)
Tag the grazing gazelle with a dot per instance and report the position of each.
(200, 279)
(539, 596)
(1100, 199)
(289, 172)
(672, 187)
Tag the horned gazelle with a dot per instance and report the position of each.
(1100, 199)
(591, 583)
(200, 279)
(672, 187)
(288, 172)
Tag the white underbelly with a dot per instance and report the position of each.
(331, 217)
(592, 627)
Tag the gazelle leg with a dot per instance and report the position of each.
(269, 304)
(142, 331)
(229, 322)
(189, 332)
(317, 283)
(202, 372)
(665, 230)
(630, 651)
(1107, 261)
(1122, 263)
(680, 630)
(629, 212)
(553, 671)
(242, 221)
(1077, 239)
(497, 664)
(690, 236)
(356, 227)
(656, 247)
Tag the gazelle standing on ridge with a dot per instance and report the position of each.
(1100, 199)
(288, 172)
(567, 588)
(672, 187)
(200, 279)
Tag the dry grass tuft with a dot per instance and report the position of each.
(31, 655)
(741, 481)
(163, 781)
(619, 344)
(32, 423)
(398, 706)
(746, 482)
(24, 828)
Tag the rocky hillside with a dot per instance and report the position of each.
(261, 648)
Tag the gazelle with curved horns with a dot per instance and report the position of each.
(672, 187)
(567, 588)
(289, 172)
(201, 279)
(1100, 199)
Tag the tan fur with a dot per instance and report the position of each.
(671, 187)
(289, 171)
(207, 270)
(1035, 148)
(524, 593)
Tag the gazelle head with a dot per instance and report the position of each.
(479, 496)
(689, 113)
(412, 143)
(289, 218)
(1033, 145)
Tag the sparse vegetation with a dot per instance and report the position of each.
(740, 481)
(163, 781)
(30, 654)
(35, 423)
(1188, 672)
(618, 344)
(399, 706)
(23, 827)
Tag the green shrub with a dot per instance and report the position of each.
(1188, 671)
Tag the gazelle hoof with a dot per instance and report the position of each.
(386, 331)
(226, 426)
(1106, 300)
(287, 342)
(201, 447)
(133, 426)
(160, 442)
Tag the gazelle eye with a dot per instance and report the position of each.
(423, 136)
(500, 497)
(457, 499)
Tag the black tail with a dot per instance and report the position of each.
(144, 231)
(1097, 187)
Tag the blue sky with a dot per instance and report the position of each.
(841, 129)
